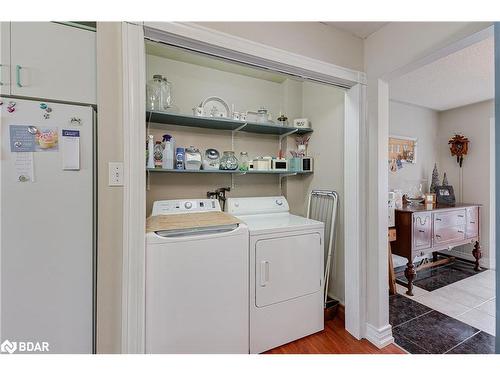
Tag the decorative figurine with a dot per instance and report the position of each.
(282, 119)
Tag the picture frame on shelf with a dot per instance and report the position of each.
(445, 195)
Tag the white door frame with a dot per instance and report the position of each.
(377, 294)
(134, 193)
(492, 229)
(133, 288)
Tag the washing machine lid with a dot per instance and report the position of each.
(280, 222)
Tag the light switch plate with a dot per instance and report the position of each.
(115, 174)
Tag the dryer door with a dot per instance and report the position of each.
(287, 268)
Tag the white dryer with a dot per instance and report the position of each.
(196, 282)
(286, 271)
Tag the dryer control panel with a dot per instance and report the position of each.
(257, 205)
(182, 206)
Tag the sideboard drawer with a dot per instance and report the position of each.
(472, 222)
(422, 230)
(449, 219)
(449, 234)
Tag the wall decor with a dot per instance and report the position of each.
(445, 195)
(459, 145)
(403, 149)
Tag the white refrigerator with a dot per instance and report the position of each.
(47, 238)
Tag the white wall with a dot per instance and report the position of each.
(193, 83)
(393, 47)
(311, 39)
(324, 106)
(415, 122)
(110, 199)
(474, 122)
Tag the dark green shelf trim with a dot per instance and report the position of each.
(159, 119)
(237, 172)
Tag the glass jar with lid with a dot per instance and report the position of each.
(153, 93)
(228, 161)
(244, 161)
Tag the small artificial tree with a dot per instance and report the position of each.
(435, 179)
(445, 180)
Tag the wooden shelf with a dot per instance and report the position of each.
(158, 120)
(237, 172)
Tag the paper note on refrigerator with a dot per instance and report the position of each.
(70, 147)
(21, 139)
(24, 167)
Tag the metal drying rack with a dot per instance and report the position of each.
(323, 206)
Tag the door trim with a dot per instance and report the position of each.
(134, 193)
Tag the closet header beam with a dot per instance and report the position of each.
(180, 41)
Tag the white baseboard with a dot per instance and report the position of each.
(380, 337)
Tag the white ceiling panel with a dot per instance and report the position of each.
(360, 29)
(462, 78)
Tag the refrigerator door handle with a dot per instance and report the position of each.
(18, 75)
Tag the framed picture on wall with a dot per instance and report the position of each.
(402, 149)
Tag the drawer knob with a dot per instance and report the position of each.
(421, 231)
(438, 219)
(460, 231)
(438, 236)
(473, 222)
(460, 215)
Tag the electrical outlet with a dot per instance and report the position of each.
(115, 174)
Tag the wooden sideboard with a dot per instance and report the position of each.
(421, 231)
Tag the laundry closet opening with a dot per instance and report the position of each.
(211, 108)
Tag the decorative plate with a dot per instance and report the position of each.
(214, 106)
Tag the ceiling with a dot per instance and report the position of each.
(464, 77)
(360, 29)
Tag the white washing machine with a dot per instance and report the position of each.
(196, 283)
(286, 271)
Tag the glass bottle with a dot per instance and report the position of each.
(165, 95)
(228, 161)
(158, 154)
(244, 161)
(153, 93)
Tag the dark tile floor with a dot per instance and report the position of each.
(437, 277)
(420, 330)
(477, 344)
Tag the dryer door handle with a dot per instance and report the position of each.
(264, 273)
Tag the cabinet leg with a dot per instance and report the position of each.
(410, 274)
(476, 252)
(434, 256)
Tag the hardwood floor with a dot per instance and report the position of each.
(334, 339)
